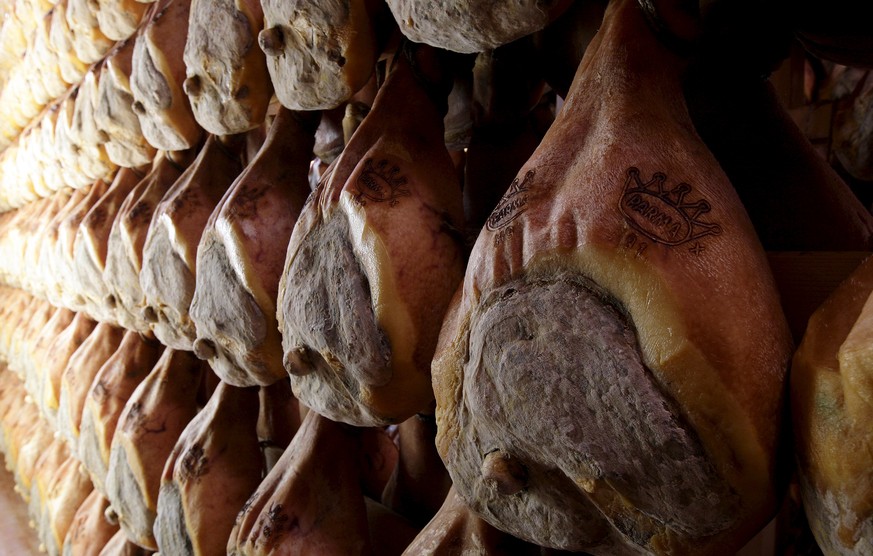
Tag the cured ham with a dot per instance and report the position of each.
(609, 378)
(217, 453)
(241, 253)
(319, 53)
(375, 257)
(148, 428)
(313, 499)
(169, 256)
(128, 236)
(158, 71)
(113, 385)
(226, 73)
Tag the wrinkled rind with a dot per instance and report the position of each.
(469, 26)
(232, 87)
(327, 54)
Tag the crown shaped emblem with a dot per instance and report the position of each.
(664, 215)
(381, 181)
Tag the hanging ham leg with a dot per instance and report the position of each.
(127, 239)
(312, 501)
(61, 38)
(154, 417)
(38, 436)
(34, 366)
(56, 360)
(90, 531)
(64, 265)
(53, 286)
(92, 243)
(375, 257)
(158, 71)
(68, 489)
(170, 252)
(113, 113)
(319, 54)
(610, 376)
(507, 85)
(77, 377)
(35, 318)
(15, 318)
(562, 44)
(91, 157)
(49, 462)
(214, 467)
(30, 264)
(14, 309)
(89, 42)
(26, 438)
(112, 387)
(227, 82)
(240, 257)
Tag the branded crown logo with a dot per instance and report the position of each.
(380, 182)
(664, 215)
(513, 203)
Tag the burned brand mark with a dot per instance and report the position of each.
(512, 205)
(379, 182)
(665, 216)
(195, 464)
